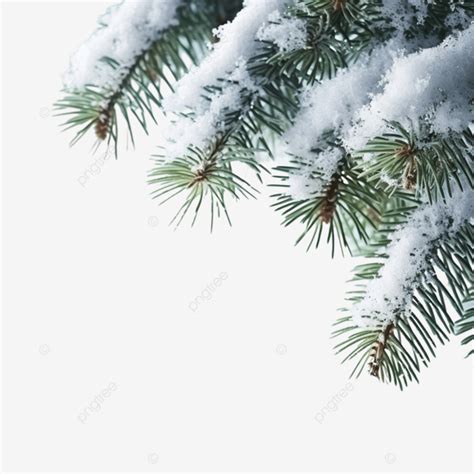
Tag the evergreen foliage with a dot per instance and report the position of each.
(371, 104)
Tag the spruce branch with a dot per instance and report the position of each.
(396, 344)
(205, 176)
(347, 207)
(466, 323)
(141, 89)
(424, 163)
(267, 109)
(372, 103)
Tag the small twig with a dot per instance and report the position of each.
(379, 350)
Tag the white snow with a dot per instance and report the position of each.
(435, 81)
(225, 67)
(196, 131)
(331, 106)
(403, 14)
(458, 19)
(127, 29)
(393, 83)
(236, 44)
(407, 254)
(312, 176)
(289, 34)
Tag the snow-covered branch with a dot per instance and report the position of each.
(407, 257)
(330, 107)
(126, 31)
(434, 84)
(357, 104)
(372, 102)
(237, 43)
(225, 72)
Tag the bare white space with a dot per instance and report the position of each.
(97, 291)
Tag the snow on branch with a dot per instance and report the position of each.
(328, 107)
(404, 15)
(408, 256)
(434, 83)
(236, 45)
(388, 85)
(126, 31)
(287, 33)
(196, 131)
(225, 70)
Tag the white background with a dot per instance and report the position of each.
(97, 288)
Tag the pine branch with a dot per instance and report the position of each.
(267, 108)
(142, 88)
(466, 323)
(395, 345)
(204, 176)
(428, 165)
(348, 208)
(372, 103)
